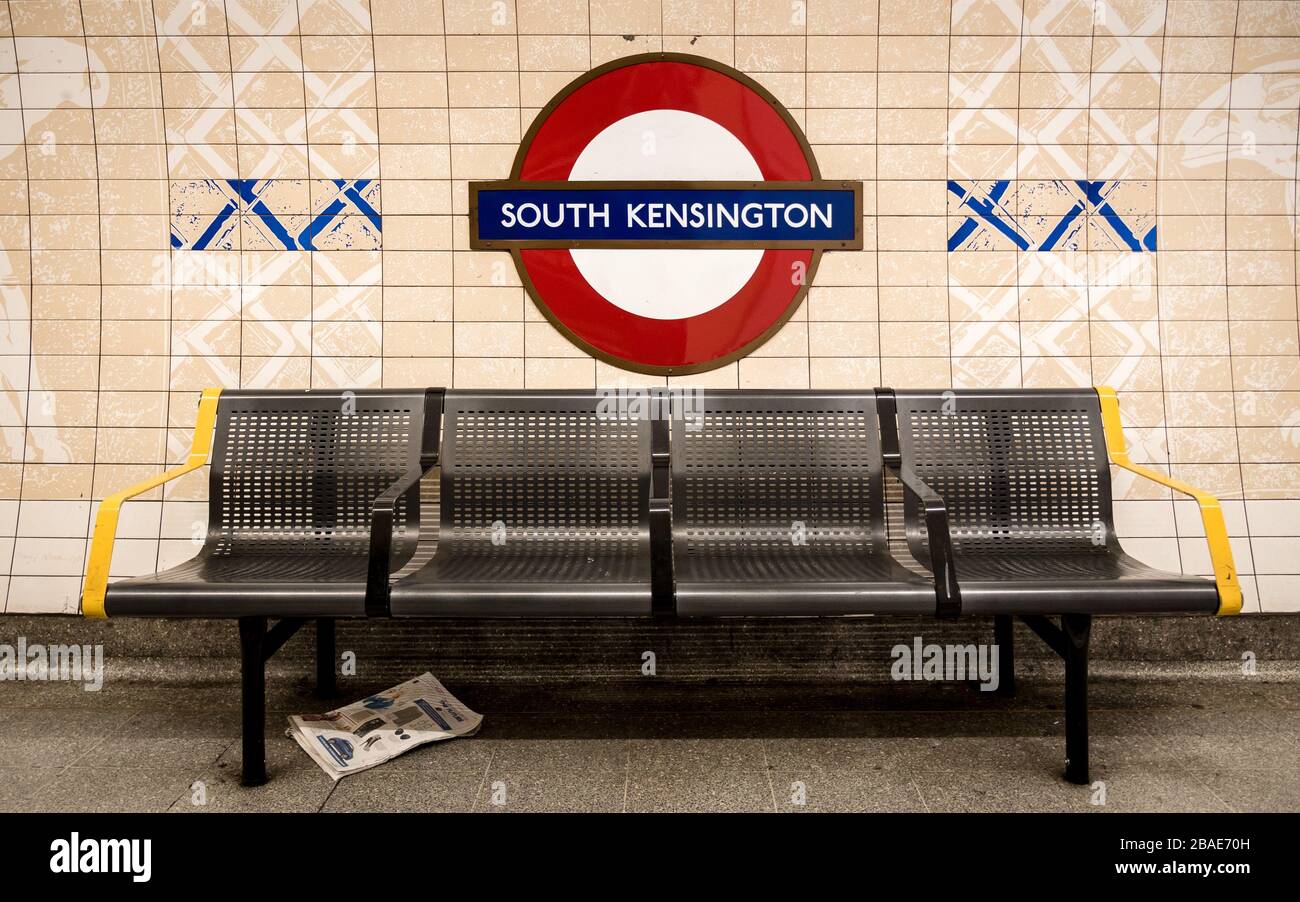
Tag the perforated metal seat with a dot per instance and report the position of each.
(544, 511)
(778, 508)
(293, 479)
(1025, 479)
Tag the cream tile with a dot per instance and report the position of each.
(49, 556)
(43, 595)
(53, 519)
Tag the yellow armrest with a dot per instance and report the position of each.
(101, 546)
(1216, 533)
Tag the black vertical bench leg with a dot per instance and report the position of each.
(1004, 638)
(1075, 629)
(326, 658)
(252, 636)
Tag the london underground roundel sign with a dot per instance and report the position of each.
(666, 213)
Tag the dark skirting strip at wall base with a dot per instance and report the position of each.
(790, 649)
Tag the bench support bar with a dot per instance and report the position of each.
(279, 634)
(1076, 630)
(661, 525)
(1070, 641)
(256, 646)
(1047, 631)
(252, 646)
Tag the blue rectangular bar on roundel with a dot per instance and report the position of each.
(710, 216)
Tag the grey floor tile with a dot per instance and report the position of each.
(296, 790)
(1158, 743)
(984, 723)
(1004, 791)
(116, 695)
(452, 754)
(20, 787)
(1155, 692)
(169, 723)
(62, 723)
(180, 739)
(817, 754)
(998, 753)
(741, 754)
(1117, 739)
(1213, 741)
(573, 754)
(561, 788)
(379, 789)
(56, 737)
(1282, 694)
(161, 691)
(1183, 719)
(851, 791)
(58, 693)
(296, 783)
(138, 789)
(125, 750)
(1256, 790)
(687, 788)
(1143, 788)
(1279, 720)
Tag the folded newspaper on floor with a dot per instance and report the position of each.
(369, 732)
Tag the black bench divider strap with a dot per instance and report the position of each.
(946, 589)
(383, 512)
(661, 526)
(279, 634)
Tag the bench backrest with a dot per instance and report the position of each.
(542, 466)
(1021, 471)
(296, 472)
(776, 472)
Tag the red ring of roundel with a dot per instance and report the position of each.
(571, 126)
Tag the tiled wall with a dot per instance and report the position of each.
(128, 126)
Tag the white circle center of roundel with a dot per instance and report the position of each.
(666, 145)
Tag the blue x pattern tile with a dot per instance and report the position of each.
(1049, 215)
(262, 214)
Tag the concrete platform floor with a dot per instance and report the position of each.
(1161, 741)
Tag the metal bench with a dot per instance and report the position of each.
(778, 509)
(742, 503)
(1024, 478)
(293, 480)
(545, 508)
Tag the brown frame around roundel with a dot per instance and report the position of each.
(813, 169)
